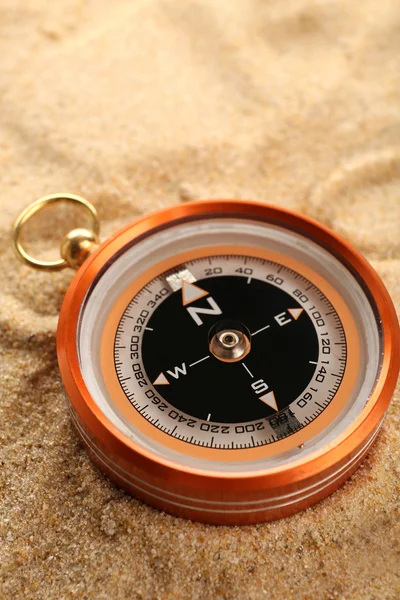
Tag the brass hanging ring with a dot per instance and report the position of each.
(89, 237)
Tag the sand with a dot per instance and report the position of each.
(136, 106)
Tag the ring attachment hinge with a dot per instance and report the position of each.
(75, 247)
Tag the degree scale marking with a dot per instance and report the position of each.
(268, 436)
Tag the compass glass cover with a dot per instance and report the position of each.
(229, 344)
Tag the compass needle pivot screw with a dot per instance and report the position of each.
(229, 345)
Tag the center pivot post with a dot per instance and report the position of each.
(229, 341)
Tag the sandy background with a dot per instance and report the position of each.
(138, 105)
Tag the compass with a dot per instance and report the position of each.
(227, 361)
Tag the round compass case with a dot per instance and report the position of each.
(228, 361)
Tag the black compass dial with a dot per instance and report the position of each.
(230, 351)
(277, 365)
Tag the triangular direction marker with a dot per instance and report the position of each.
(191, 292)
(295, 312)
(269, 399)
(161, 380)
